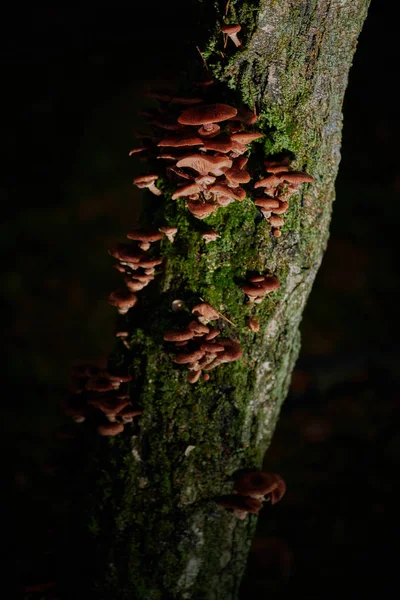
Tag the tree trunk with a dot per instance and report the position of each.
(147, 497)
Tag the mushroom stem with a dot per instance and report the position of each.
(154, 189)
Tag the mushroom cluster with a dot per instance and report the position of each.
(136, 264)
(259, 286)
(203, 150)
(251, 489)
(198, 346)
(280, 183)
(102, 397)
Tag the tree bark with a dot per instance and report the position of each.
(151, 525)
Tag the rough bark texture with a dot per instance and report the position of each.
(154, 529)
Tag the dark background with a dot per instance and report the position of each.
(71, 79)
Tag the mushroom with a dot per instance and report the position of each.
(246, 137)
(205, 165)
(206, 115)
(226, 191)
(241, 506)
(145, 238)
(123, 300)
(169, 232)
(186, 190)
(147, 181)
(110, 429)
(181, 140)
(254, 325)
(210, 236)
(258, 484)
(231, 31)
(205, 313)
(276, 221)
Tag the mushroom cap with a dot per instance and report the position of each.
(270, 283)
(223, 146)
(230, 29)
(188, 357)
(126, 253)
(206, 114)
(186, 190)
(180, 335)
(145, 179)
(141, 235)
(295, 177)
(180, 140)
(224, 190)
(110, 428)
(169, 230)
(201, 210)
(276, 221)
(267, 203)
(246, 137)
(210, 236)
(206, 311)
(198, 328)
(282, 208)
(258, 484)
(241, 503)
(267, 182)
(254, 325)
(204, 165)
(122, 299)
(237, 175)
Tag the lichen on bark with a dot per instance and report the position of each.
(146, 503)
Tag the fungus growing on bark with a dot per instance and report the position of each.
(205, 165)
(145, 238)
(181, 140)
(254, 325)
(110, 429)
(169, 232)
(231, 31)
(123, 300)
(206, 115)
(147, 181)
(241, 506)
(205, 313)
(260, 286)
(258, 484)
(210, 236)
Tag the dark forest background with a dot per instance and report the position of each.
(71, 79)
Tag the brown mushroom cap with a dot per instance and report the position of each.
(186, 190)
(207, 114)
(122, 299)
(237, 175)
(210, 236)
(110, 428)
(188, 357)
(267, 203)
(201, 210)
(223, 146)
(246, 137)
(254, 325)
(181, 140)
(143, 180)
(270, 283)
(211, 132)
(230, 29)
(141, 235)
(126, 253)
(224, 190)
(241, 505)
(204, 165)
(276, 221)
(180, 335)
(258, 484)
(267, 182)
(295, 177)
(206, 312)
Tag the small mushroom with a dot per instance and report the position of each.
(147, 181)
(205, 313)
(210, 236)
(258, 484)
(169, 232)
(123, 300)
(231, 31)
(109, 429)
(241, 506)
(145, 238)
(254, 325)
